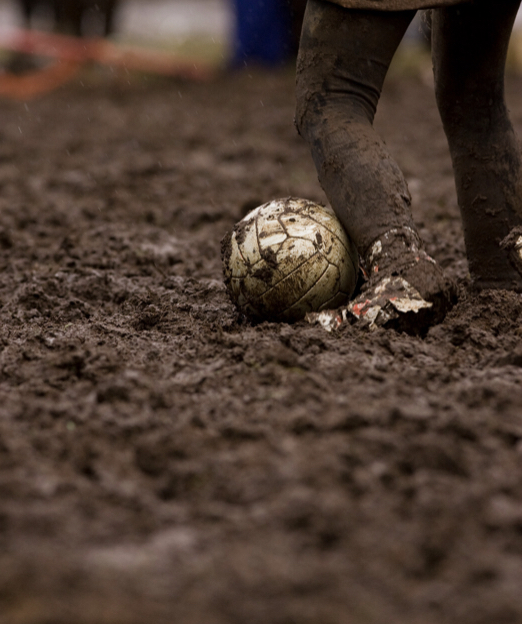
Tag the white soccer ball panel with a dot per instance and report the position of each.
(322, 227)
(246, 237)
(348, 278)
(293, 252)
(335, 281)
(299, 225)
(342, 254)
(284, 296)
(235, 267)
(327, 219)
(313, 299)
(333, 246)
(270, 233)
(268, 273)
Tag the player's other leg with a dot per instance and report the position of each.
(343, 60)
(470, 44)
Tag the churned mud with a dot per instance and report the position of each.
(162, 461)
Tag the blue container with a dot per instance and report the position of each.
(263, 32)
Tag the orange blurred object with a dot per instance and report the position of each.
(71, 53)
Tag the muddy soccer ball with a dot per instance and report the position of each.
(286, 258)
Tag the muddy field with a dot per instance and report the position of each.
(162, 461)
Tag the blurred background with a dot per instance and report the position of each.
(219, 31)
(213, 34)
(204, 27)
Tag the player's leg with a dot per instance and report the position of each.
(343, 60)
(470, 44)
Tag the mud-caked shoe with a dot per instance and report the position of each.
(405, 288)
(512, 244)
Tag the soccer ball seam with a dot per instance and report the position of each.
(272, 286)
(287, 276)
(328, 229)
(299, 299)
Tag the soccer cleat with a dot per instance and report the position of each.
(406, 290)
(513, 245)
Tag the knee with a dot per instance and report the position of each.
(307, 111)
(323, 108)
(311, 98)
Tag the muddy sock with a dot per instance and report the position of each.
(399, 253)
(470, 43)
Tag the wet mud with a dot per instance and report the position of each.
(162, 460)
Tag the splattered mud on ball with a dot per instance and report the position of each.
(286, 258)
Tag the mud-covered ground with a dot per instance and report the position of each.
(162, 462)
